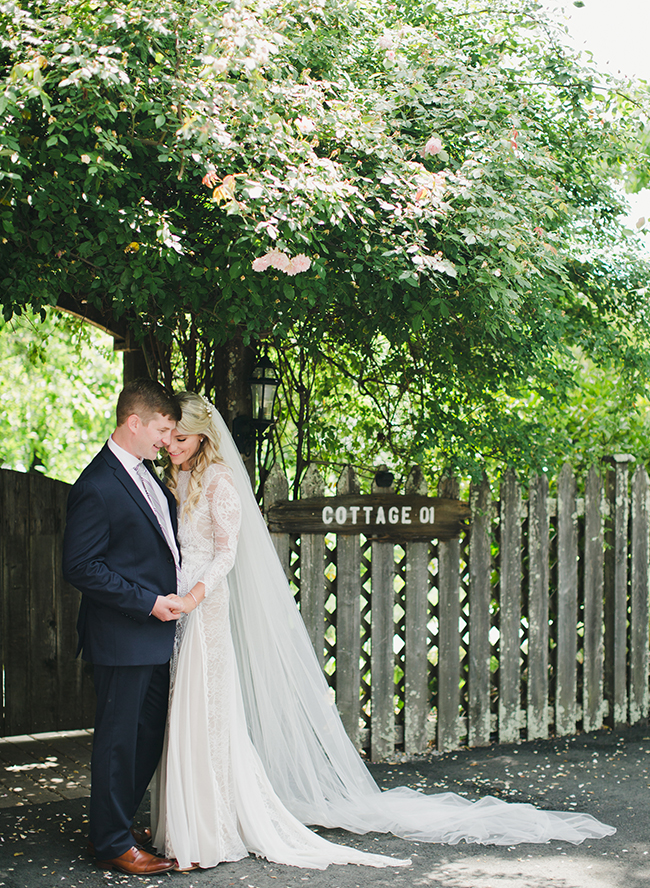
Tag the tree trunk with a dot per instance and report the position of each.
(227, 384)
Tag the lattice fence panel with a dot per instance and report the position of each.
(366, 616)
(330, 609)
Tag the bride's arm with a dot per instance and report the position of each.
(225, 516)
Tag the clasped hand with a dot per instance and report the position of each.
(170, 607)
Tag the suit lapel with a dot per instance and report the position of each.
(132, 488)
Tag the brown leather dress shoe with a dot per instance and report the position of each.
(141, 836)
(138, 862)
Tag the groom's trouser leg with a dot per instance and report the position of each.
(129, 733)
(151, 732)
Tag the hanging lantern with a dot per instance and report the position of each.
(264, 383)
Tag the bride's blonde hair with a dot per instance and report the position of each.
(196, 419)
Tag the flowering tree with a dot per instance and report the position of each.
(422, 197)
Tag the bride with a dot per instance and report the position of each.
(254, 746)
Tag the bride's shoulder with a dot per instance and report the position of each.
(218, 470)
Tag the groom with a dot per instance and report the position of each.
(120, 551)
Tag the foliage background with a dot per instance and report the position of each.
(452, 173)
(60, 380)
(58, 386)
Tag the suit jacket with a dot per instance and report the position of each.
(115, 553)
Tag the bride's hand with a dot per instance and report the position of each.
(193, 598)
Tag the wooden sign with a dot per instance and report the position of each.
(383, 516)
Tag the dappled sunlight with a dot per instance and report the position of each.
(564, 870)
(51, 762)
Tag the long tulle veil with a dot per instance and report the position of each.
(297, 732)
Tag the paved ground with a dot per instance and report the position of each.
(43, 820)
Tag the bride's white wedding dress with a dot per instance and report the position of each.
(213, 801)
(255, 747)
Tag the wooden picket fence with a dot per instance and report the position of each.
(533, 622)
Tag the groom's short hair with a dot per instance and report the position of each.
(146, 397)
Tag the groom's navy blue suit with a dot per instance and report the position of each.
(115, 553)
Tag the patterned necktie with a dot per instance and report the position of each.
(150, 490)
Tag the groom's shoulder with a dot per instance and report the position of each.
(103, 465)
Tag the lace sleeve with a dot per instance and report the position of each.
(225, 512)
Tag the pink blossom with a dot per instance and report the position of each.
(278, 259)
(385, 42)
(273, 258)
(297, 264)
(390, 55)
(433, 146)
(261, 263)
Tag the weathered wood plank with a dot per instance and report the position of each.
(312, 566)
(448, 634)
(592, 687)
(348, 618)
(382, 657)
(567, 604)
(480, 568)
(538, 574)
(276, 490)
(75, 691)
(416, 696)
(382, 653)
(43, 628)
(16, 589)
(638, 655)
(509, 609)
(616, 590)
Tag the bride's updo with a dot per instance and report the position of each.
(196, 419)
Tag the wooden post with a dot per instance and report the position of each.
(592, 672)
(416, 683)
(382, 656)
(616, 590)
(448, 633)
(639, 599)
(276, 490)
(567, 604)
(43, 628)
(538, 556)
(312, 566)
(74, 685)
(348, 618)
(509, 609)
(16, 586)
(480, 564)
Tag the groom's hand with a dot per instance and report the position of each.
(166, 608)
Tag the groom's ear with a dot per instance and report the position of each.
(133, 422)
